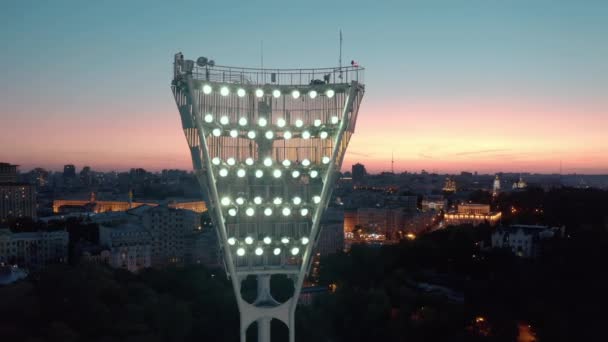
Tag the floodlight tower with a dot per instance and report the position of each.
(266, 146)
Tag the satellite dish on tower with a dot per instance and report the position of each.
(204, 61)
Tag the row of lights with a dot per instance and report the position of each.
(240, 251)
(266, 162)
(250, 211)
(217, 132)
(226, 201)
(276, 93)
(263, 122)
(276, 173)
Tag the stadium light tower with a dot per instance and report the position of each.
(266, 146)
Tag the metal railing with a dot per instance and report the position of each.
(254, 76)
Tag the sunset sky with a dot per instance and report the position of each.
(479, 85)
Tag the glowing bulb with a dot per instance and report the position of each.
(224, 91)
(325, 160)
(249, 240)
(259, 93)
(281, 122)
(251, 135)
(240, 92)
(317, 123)
(323, 135)
(306, 134)
(277, 200)
(231, 241)
(249, 161)
(249, 211)
(299, 123)
(216, 132)
(330, 93)
(232, 212)
(267, 240)
(286, 163)
(267, 162)
(259, 251)
(287, 135)
(316, 199)
(305, 162)
(334, 120)
(295, 174)
(295, 251)
(262, 122)
(207, 89)
(297, 200)
(243, 121)
(234, 133)
(276, 93)
(241, 173)
(216, 161)
(230, 161)
(223, 172)
(276, 251)
(257, 200)
(305, 240)
(314, 174)
(267, 211)
(225, 201)
(304, 212)
(259, 173)
(240, 251)
(276, 173)
(285, 240)
(240, 201)
(224, 120)
(295, 94)
(208, 118)
(269, 135)
(312, 94)
(286, 211)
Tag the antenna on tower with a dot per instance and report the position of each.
(340, 56)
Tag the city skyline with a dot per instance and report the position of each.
(484, 87)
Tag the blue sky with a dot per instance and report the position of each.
(69, 64)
